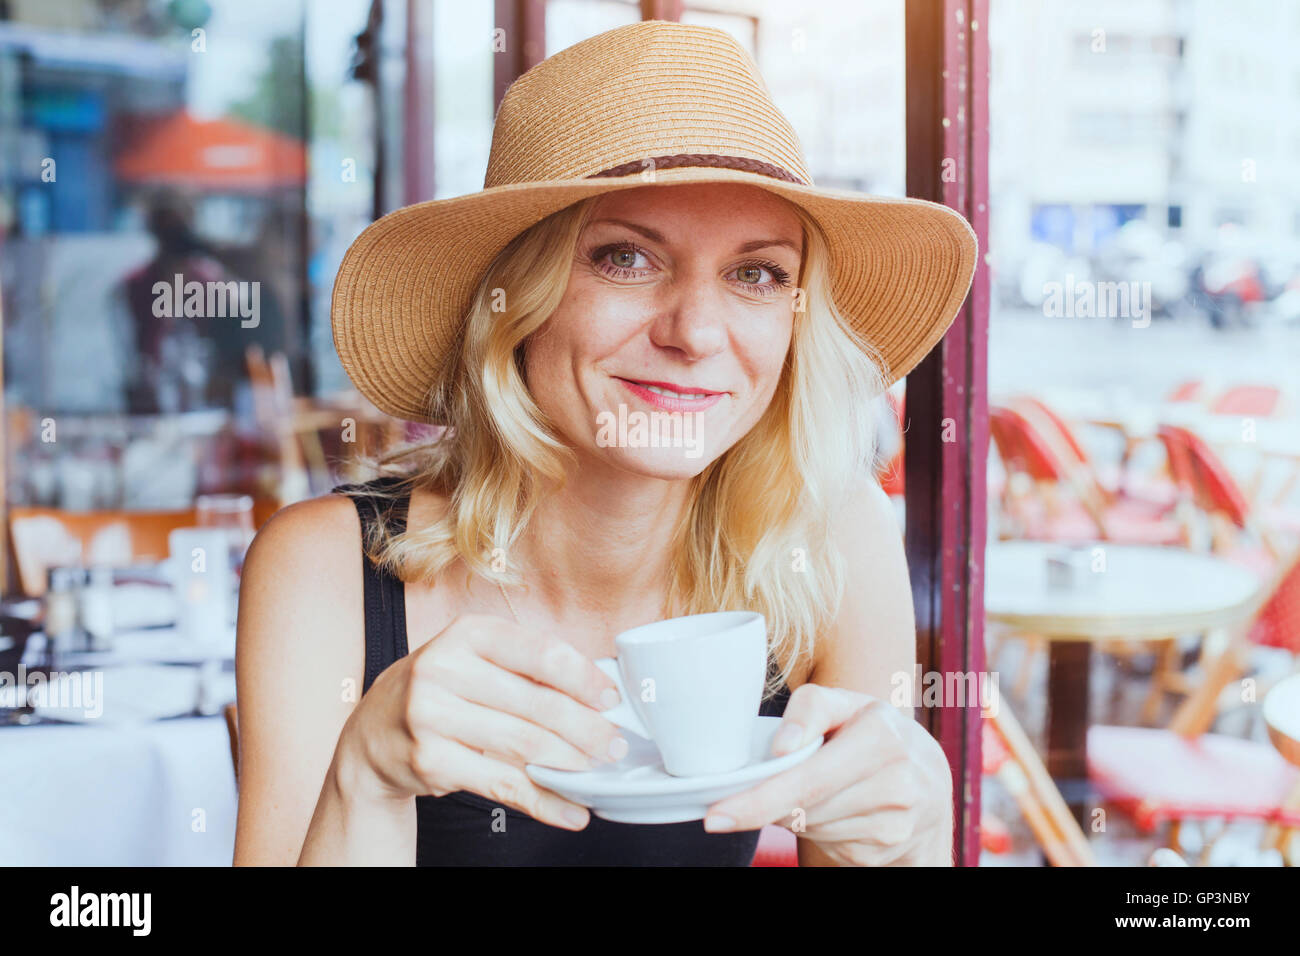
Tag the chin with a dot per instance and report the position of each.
(666, 464)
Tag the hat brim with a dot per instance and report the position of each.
(901, 268)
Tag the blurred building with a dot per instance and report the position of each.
(1182, 113)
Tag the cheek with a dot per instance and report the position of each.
(764, 354)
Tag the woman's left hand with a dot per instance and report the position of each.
(877, 793)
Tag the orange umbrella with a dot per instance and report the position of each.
(223, 155)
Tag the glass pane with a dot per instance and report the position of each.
(568, 21)
(836, 70)
(1144, 329)
(463, 86)
(177, 182)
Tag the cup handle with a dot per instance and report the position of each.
(623, 715)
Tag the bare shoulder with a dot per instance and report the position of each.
(308, 535)
(868, 521)
(874, 633)
(301, 589)
(300, 659)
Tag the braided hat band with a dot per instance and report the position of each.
(706, 160)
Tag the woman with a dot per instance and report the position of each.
(648, 243)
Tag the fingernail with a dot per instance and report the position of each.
(788, 738)
(617, 748)
(609, 699)
(575, 816)
(718, 822)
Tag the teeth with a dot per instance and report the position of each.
(663, 391)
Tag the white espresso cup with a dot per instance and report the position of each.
(693, 685)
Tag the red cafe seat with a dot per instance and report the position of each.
(777, 846)
(1157, 776)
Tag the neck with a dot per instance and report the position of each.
(601, 545)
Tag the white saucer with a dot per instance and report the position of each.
(637, 789)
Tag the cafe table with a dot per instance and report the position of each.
(1097, 593)
(1281, 713)
(147, 780)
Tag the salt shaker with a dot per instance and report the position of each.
(96, 609)
(62, 628)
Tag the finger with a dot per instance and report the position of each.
(547, 660)
(840, 763)
(814, 710)
(856, 811)
(517, 740)
(483, 682)
(511, 787)
(879, 830)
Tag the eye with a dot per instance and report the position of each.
(625, 258)
(620, 259)
(761, 277)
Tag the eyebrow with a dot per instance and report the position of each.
(751, 246)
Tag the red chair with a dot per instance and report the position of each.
(1278, 622)
(1183, 773)
(1159, 499)
(1067, 504)
(777, 846)
(1207, 485)
(1259, 401)
(1189, 391)
(1157, 776)
(891, 474)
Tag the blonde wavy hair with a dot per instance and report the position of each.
(757, 532)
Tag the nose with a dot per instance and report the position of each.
(691, 321)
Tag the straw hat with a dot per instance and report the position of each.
(652, 103)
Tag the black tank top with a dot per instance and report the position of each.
(457, 829)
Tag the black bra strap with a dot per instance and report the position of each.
(384, 592)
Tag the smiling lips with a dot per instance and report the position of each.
(673, 398)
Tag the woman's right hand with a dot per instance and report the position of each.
(469, 708)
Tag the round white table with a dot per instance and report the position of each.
(1281, 712)
(157, 793)
(1135, 591)
(110, 785)
(1104, 592)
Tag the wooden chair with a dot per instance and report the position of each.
(1011, 759)
(1110, 488)
(232, 729)
(1184, 772)
(276, 410)
(1207, 484)
(43, 538)
(295, 425)
(1052, 494)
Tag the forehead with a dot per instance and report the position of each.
(720, 209)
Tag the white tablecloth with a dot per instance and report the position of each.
(152, 794)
